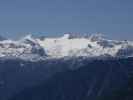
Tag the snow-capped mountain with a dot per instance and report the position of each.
(69, 45)
(64, 67)
(88, 46)
(26, 48)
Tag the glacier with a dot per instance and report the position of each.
(69, 45)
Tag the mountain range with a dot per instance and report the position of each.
(93, 46)
(70, 67)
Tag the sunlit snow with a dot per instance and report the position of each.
(68, 45)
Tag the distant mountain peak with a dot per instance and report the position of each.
(69, 45)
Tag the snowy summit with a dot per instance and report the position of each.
(69, 45)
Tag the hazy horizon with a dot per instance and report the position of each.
(113, 18)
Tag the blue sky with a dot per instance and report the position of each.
(114, 18)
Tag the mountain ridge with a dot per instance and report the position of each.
(68, 45)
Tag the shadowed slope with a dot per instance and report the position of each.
(97, 80)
